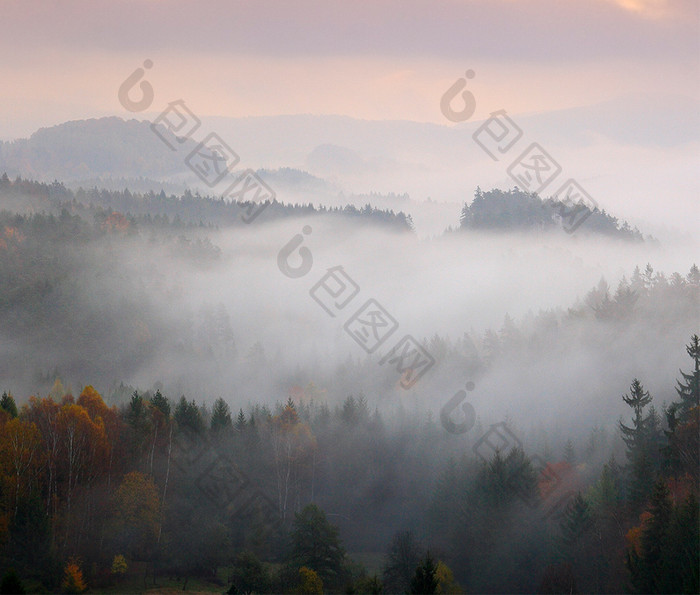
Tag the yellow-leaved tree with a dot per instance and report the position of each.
(309, 582)
(136, 515)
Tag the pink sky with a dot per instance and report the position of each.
(368, 59)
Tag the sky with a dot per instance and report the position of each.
(374, 60)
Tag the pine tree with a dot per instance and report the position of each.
(605, 493)
(689, 389)
(241, 421)
(188, 416)
(161, 403)
(639, 444)
(7, 403)
(220, 416)
(316, 544)
(576, 520)
(136, 410)
(682, 452)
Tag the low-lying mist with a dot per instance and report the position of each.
(227, 322)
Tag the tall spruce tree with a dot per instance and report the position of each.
(682, 452)
(640, 443)
(241, 422)
(7, 403)
(689, 388)
(220, 416)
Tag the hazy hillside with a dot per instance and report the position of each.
(92, 148)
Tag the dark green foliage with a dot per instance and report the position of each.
(248, 575)
(682, 555)
(642, 441)
(520, 210)
(575, 522)
(151, 210)
(682, 451)
(424, 579)
(504, 481)
(188, 416)
(316, 545)
(688, 389)
(7, 403)
(137, 410)
(220, 416)
(668, 560)
(161, 403)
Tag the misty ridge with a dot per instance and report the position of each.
(178, 292)
(166, 324)
(425, 169)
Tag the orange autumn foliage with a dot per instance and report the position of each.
(73, 581)
(10, 236)
(634, 535)
(115, 222)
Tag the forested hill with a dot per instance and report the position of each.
(26, 196)
(516, 209)
(90, 148)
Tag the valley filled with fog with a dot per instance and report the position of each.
(363, 298)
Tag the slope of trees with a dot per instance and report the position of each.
(519, 210)
(92, 497)
(167, 211)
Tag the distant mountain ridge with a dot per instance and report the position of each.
(325, 159)
(326, 144)
(91, 149)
